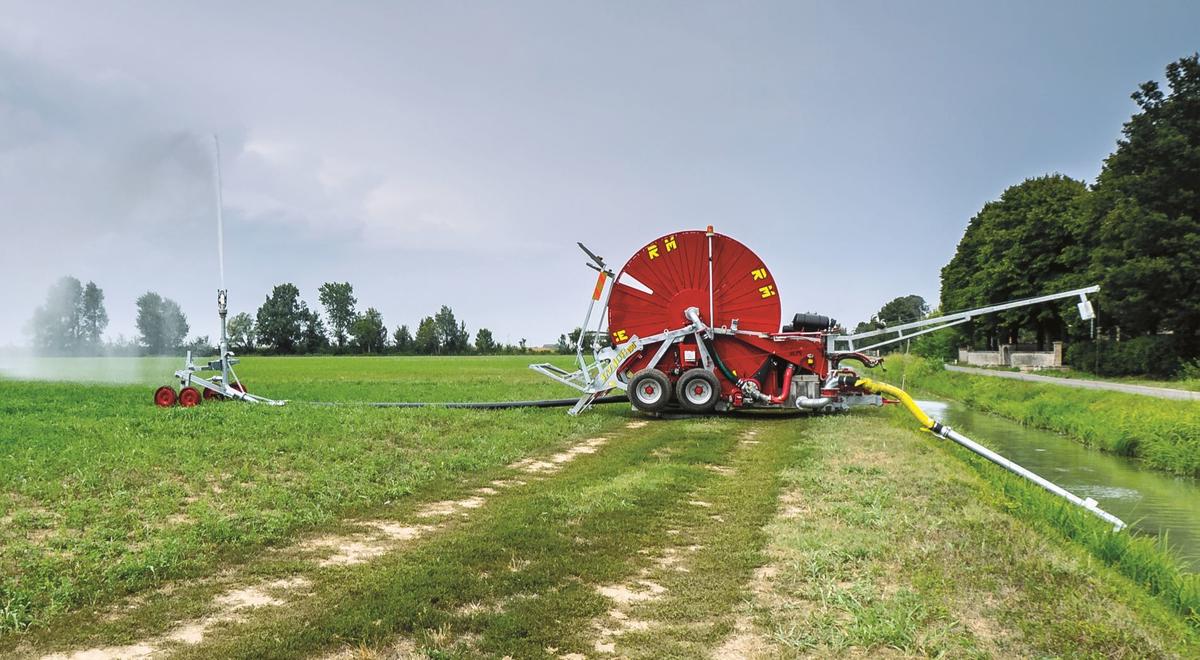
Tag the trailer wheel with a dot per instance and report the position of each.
(210, 395)
(164, 397)
(189, 396)
(697, 390)
(649, 390)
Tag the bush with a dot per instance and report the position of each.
(1190, 370)
(1152, 355)
(941, 345)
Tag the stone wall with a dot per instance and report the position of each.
(1008, 356)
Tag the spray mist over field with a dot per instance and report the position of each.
(25, 365)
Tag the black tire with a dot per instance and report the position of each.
(649, 390)
(698, 391)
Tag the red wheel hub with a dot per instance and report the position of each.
(164, 397)
(188, 397)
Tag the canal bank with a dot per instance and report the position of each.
(1151, 502)
(1164, 435)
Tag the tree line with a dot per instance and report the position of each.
(73, 320)
(1135, 232)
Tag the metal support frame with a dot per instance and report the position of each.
(223, 383)
(849, 342)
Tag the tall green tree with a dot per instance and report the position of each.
(162, 325)
(57, 325)
(280, 319)
(452, 336)
(369, 332)
(312, 337)
(903, 309)
(484, 342)
(93, 317)
(241, 332)
(339, 301)
(1033, 240)
(1146, 204)
(426, 341)
(403, 340)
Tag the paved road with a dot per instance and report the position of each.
(1145, 390)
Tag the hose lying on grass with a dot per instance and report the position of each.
(479, 405)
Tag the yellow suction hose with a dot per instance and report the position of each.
(900, 395)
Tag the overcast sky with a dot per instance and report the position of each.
(452, 153)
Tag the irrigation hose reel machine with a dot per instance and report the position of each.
(694, 322)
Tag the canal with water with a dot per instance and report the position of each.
(1151, 502)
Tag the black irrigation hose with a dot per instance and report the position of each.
(477, 405)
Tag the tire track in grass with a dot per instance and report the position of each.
(522, 577)
(716, 545)
(369, 540)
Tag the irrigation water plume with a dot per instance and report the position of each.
(224, 383)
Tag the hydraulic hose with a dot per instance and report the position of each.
(943, 431)
(717, 359)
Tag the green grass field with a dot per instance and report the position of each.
(231, 530)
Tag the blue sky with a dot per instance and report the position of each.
(452, 153)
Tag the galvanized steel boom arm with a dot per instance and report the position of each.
(842, 344)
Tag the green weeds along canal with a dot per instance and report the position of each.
(1163, 433)
(234, 530)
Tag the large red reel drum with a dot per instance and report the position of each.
(673, 273)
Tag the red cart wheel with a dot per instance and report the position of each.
(189, 396)
(164, 397)
(209, 394)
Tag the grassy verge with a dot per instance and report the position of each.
(1165, 434)
(886, 544)
(1142, 559)
(1191, 384)
(102, 494)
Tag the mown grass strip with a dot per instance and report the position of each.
(521, 576)
(718, 547)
